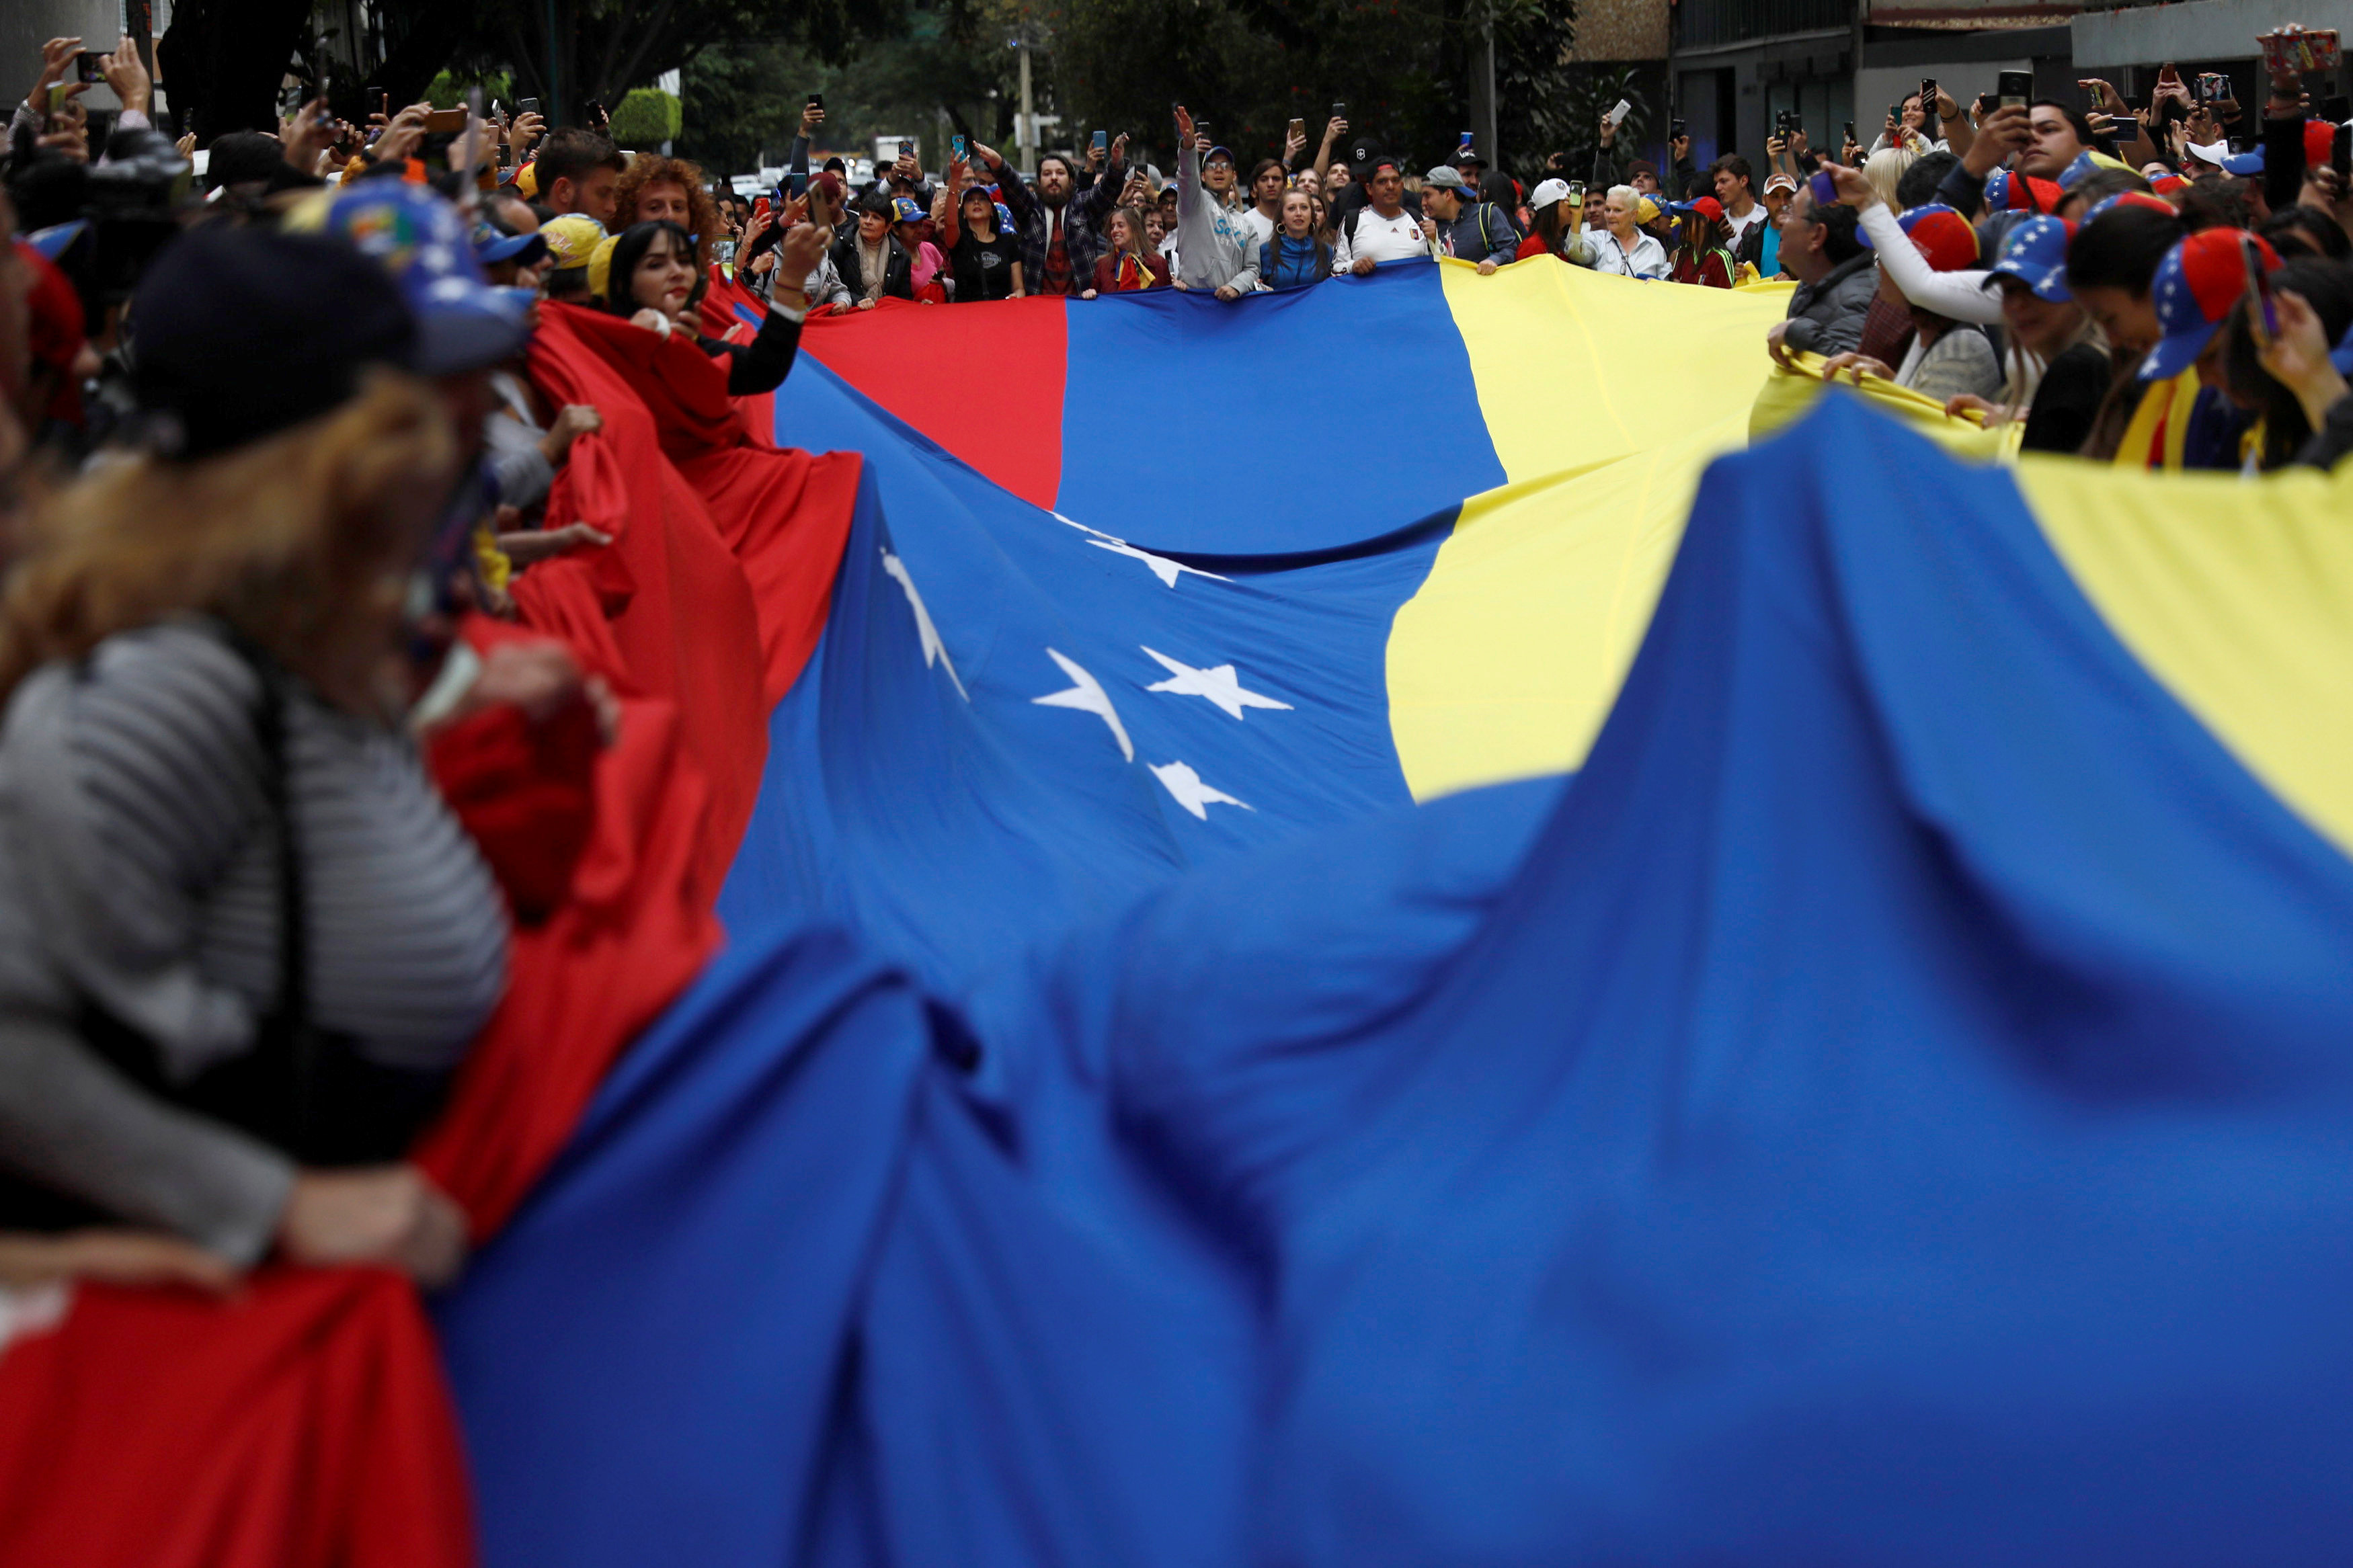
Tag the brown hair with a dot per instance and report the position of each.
(1136, 240)
(653, 169)
(294, 541)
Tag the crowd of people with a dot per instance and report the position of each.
(262, 447)
(1955, 255)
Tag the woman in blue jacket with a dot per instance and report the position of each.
(1292, 258)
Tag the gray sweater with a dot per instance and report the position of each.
(1214, 242)
(138, 870)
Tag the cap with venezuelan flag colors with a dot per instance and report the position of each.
(1942, 234)
(2087, 163)
(2196, 285)
(2129, 199)
(2036, 255)
(2006, 190)
(463, 323)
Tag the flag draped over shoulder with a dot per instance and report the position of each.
(1889, 1104)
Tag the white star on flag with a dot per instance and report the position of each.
(1218, 684)
(1167, 571)
(1182, 782)
(934, 650)
(1086, 694)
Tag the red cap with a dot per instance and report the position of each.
(1709, 209)
(2319, 141)
(1942, 236)
(53, 330)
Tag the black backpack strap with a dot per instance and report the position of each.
(288, 1047)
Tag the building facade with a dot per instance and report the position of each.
(1730, 68)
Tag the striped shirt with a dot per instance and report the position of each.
(139, 870)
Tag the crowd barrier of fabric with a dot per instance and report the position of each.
(1447, 966)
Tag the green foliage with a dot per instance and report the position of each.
(448, 90)
(1534, 85)
(645, 119)
(743, 102)
(739, 101)
(602, 49)
(1592, 94)
(1249, 66)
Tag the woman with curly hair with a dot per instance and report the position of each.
(655, 189)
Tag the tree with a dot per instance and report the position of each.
(568, 53)
(646, 118)
(1535, 85)
(1250, 66)
(223, 60)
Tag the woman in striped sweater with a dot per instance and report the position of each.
(243, 943)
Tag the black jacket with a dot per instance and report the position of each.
(898, 268)
(762, 364)
(2333, 440)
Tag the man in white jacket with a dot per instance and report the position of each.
(1381, 230)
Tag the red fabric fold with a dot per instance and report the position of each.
(689, 631)
(637, 929)
(783, 513)
(303, 1424)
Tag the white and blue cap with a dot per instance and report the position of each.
(462, 322)
(2035, 253)
(492, 246)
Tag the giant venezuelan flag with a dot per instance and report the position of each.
(1890, 1103)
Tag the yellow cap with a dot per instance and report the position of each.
(600, 268)
(571, 239)
(526, 180)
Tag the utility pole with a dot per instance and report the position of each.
(1483, 89)
(1027, 140)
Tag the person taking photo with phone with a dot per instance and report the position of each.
(1558, 227)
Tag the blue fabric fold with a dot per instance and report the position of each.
(1891, 1106)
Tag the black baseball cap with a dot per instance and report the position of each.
(239, 333)
(251, 157)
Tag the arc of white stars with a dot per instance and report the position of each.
(934, 650)
(1087, 696)
(1181, 782)
(1218, 683)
